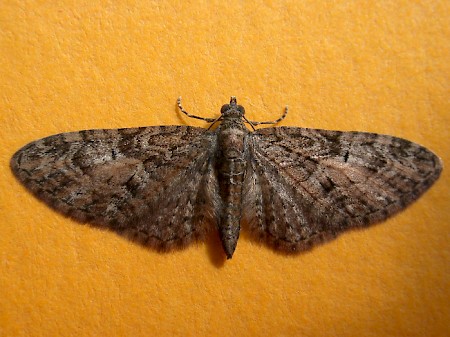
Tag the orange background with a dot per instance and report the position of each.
(379, 66)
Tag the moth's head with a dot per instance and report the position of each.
(232, 109)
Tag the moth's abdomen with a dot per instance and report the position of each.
(231, 167)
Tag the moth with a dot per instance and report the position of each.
(166, 186)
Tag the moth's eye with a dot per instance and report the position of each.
(224, 108)
(241, 109)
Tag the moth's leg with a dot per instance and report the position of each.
(209, 120)
(272, 122)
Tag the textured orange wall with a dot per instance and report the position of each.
(379, 66)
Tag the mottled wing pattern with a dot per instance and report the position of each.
(153, 184)
(304, 186)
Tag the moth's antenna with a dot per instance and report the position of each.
(209, 120)
(286, 109)
(249, 123)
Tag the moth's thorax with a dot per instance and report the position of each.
(231, 139)
(233, 121)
